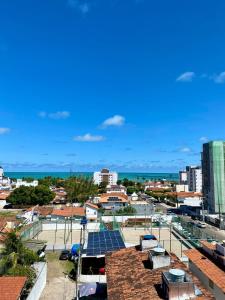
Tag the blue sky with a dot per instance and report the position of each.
(134, 85)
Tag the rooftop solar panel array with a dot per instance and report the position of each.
(102, 242)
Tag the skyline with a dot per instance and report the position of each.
(130, 85)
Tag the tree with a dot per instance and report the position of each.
(102, 187)
(16, 260)
(79, 189)
(31, 195)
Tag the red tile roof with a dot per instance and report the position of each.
(208, 245)
(11, 287)
(91, 205)
(109, 196)
(128, 279)
(207, 267)
(69, 211)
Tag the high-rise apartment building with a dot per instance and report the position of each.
(182, 177)
(110, 178)
(194, 178)
(213, 171)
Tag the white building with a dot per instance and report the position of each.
(182, 188)
(194, 178)
(20, 183)
(4, 181)
(116, 189)
(183, 177)
(91, 211)
(110, 178)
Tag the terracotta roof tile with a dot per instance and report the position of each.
(127, 278)
(69, 211)
(104, 197)
(11, 287)
(207, 267)
(91, 205)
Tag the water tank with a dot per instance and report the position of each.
(149, 237)
(177, 275)
(158, 251)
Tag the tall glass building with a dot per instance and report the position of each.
(213, 176)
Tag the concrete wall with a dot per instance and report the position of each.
(213, 288)
(41, 269)
(75, 226)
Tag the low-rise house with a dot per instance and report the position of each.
(34, 213)
(116, 189)
(152, 186)
(60, 196)
(208, 273)
(113, 201)
(68, 212)
(3, 196)
(91, 211)
(11, 288)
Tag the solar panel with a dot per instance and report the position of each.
(100, 243)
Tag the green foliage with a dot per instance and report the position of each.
(31, 195)
(128, 210)
(102, 187)
(79, 189)
(52, 181)
(16, 260)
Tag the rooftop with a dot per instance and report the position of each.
(207, 267)
(69, 211)
(105, 198)
(127, 278)
(11, 287)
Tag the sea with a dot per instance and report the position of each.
(141, 177)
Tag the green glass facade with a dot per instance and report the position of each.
(213, 168)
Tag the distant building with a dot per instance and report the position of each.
(116, 189)
(183, 177)
(106, 177)
(194, 178)
(113, 201)
(21, 182)
(4, 181)
(213, 169)
(182, 188)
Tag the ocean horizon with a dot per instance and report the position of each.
(138, 176)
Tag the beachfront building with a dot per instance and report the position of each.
(183, 177)
(213, 169)
(194, 178)
(21, 182)
(105, 176)
(4, 181)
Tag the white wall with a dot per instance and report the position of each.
(216, 291)
(40, 283)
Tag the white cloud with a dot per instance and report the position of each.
(185, 150)
(186, 77)
(4, 130)
(88, 138)
(82, 6)
(220, 78)
(116, 120)
(203, 139)
(42, 114)
(55, 115)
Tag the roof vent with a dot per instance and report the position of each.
(176, 284)
(177, 275)
(159, 258)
